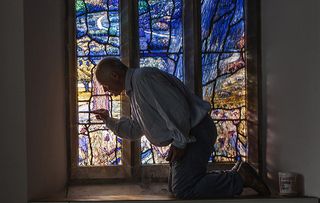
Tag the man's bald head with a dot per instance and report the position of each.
(108, 65)
(110, 73)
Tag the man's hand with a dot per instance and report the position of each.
(175, 154)
(101, 114)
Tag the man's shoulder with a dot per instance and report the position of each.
(145, 72)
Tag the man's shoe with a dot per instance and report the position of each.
(252, 179)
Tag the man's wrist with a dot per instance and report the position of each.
(111, 123)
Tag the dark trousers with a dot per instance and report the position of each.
(189, 175)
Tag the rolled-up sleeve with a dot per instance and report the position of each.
(124, 128)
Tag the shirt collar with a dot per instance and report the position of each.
(128, 79)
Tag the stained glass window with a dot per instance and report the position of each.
(97, 36)
(224, 74)
(160, 32)
(224, 71)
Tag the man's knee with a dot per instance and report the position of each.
(182, 192)
(178, 194)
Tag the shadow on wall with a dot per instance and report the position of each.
(275, 148)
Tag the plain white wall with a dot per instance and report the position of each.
(45, 57)
(291, 66)
(13, 174)
(33, 134)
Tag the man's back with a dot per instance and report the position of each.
(163, 106)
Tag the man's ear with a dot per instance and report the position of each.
(115, 75)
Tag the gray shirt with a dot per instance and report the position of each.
(162, 108)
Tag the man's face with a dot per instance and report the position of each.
(111, 87)
(112, 84)
(112, 81)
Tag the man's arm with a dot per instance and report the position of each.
(123, 127)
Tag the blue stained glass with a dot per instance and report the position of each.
(227, 63)
(169, 64)
(147, 155)
(160, 37)
(160, 27)
(81, 26)
(236, 32)
(239, 14)
(207, 11)
(222, 25)
(209, 67)
(224, 74)
(214, 42)
(225, 7)
(98, 27)
(83, 143)
(114, 23)
(113, 5)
